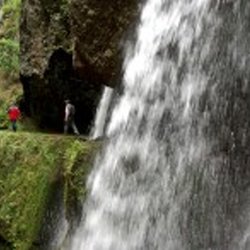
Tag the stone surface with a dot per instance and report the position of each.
(97, 39)
(44, 28)
(69, 50)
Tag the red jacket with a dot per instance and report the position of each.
(14, 113)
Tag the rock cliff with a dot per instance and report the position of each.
(68, 50)
(97, 39)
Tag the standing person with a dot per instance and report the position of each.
(14, 114)
(69, 118)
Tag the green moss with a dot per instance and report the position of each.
(9, 56)
(78, 162)
(9, 39)
(11, 15)
(75, 156)
(8, 95)
(28, 165)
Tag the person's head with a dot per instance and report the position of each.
(67, 101)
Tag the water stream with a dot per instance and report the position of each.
(175, 173)
(101, 114)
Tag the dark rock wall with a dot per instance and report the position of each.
(97, 38)
(44, 27)
(45, 96)
(68, 50)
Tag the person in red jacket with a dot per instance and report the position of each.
(14, 114)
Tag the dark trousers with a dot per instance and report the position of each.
(13, 125)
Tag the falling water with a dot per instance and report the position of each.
(175, 173)
(101, 114)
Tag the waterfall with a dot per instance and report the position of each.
(101, 114)
(174, 174)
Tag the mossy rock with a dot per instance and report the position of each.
(78, 163)
(9, 40)
(30, 165)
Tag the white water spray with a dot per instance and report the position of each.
(101, 114)
(164, 181)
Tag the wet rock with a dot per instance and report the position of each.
(68, 50)
(97, 28)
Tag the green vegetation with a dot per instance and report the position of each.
(9, 57)
(9, 39)
(78, 162)
(8, 95)
(29, 163)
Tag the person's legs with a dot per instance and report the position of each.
(73, 125)
(13, 125)
(66, 127)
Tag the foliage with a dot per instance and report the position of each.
(9, 38)
(8, 95)
(77, 164)
(28, 165)
(11, 14)
(3, 118)
(9, 56)
(24, 190)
